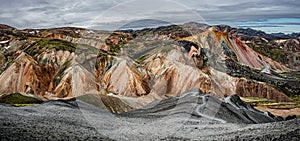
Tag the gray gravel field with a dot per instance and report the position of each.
(77, 120)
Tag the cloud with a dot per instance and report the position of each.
(244, 11)
(48, 13)
(101, 13)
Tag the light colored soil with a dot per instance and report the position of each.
(280, 112)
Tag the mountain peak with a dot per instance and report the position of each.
(150, 63)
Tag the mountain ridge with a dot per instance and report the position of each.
(153, 63)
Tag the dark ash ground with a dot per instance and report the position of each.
(77, 120)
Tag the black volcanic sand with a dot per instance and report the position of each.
(190, 116)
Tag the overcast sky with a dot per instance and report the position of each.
(267, 15)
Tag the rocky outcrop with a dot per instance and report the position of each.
(75, 81)
(21, 76)
(198, 105)
(126, 79)
(50, 74)
(250, 88)
(143, 64)
(105, 102)
(230, 55)
(224, 46)
(173, 75)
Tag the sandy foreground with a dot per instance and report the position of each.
(77, 120)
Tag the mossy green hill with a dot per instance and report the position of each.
(47, 44)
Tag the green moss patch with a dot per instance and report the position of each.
(22, 105)
(59, 75)
(256, 101)
(46, 44)
(18, 99)
(296, 99)
(141, 59)
(267, 50)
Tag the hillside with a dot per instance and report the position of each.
(176, 82)
(147, 64)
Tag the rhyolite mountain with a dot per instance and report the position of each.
(136, 67)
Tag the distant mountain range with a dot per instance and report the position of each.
(150, 63)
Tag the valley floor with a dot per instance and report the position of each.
(280, 112)
(76, 120)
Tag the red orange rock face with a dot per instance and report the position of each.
(162, 73)
(248, 88)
